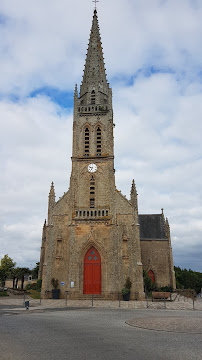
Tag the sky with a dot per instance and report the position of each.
(153, 57)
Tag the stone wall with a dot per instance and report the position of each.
(156, 257)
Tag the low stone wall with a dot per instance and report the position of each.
(9, 283)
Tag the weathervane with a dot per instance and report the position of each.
(95, 1)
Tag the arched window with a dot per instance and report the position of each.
(93, 97)
(152, 276)
(98, 141)
(86, 141)
(92, 192)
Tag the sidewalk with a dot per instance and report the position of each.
(17, 302)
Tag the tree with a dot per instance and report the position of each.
(188, 279)
(2, 277)
(35, 271)
(7, 266)
(19, 273)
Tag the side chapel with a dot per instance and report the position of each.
(94, 237)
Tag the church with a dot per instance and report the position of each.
(94, 238)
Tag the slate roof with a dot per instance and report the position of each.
(152, 227)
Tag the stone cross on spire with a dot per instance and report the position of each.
(95, 1)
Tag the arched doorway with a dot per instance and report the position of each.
(152, 276)
(92, 272)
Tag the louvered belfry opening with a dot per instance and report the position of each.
(92, 192)
(98, 141)
(87, 141)
(93, 97)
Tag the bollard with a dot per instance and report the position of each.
(119, 300)
(66, 292)
(40, 297)
(147, 301)
(193, 303)
(92, 299)
(164, 303)
(24, 299)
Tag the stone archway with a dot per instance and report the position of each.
(92, 272)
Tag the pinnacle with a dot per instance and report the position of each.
(75, 91)
(52, 190)
(133, 187)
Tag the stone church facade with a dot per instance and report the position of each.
(94, 237)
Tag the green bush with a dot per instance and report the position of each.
(127, 286)
(3, 293)
(33, 286)
(28, 287)
(166, 289)
(38, 285)
(55, 283)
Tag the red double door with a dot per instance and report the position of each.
(92, 272)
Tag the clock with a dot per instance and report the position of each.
(92, 168)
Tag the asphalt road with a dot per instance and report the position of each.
(95, 333)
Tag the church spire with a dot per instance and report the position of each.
(94, 88)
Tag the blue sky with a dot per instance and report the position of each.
(153, 58)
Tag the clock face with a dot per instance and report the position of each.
(92, 168)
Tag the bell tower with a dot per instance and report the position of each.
(92, 178)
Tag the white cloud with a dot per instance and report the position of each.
(153, 59)
(32, 156)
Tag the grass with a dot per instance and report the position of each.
(34, 294)
(3, 293)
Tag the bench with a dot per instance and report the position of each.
(161, 295)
